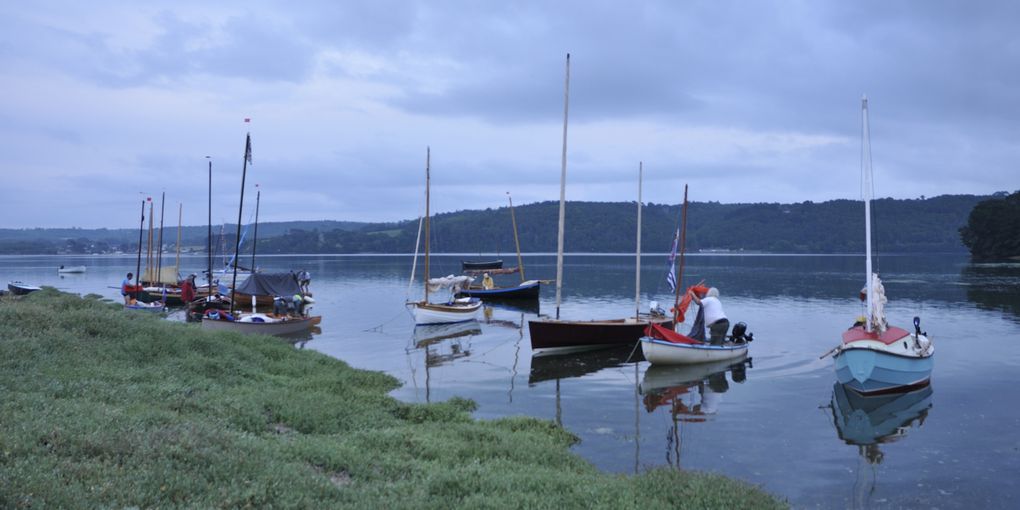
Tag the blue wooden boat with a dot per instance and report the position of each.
(525, 290)
(875, 357)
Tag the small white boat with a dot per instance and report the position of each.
(461, 310)
(668, 347)
(155, 306)
(20, 289)
(71, 269)
(455, 310)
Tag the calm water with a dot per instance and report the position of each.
(778, 422)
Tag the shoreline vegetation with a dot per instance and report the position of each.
(106, 408)
(926, 225)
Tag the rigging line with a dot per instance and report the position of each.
(378, 329)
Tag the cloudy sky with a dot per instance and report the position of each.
(103, 103)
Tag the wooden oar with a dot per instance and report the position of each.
(834, 349)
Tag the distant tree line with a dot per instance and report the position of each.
(906, 226)
(993, 228)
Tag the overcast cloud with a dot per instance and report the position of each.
(106, 102)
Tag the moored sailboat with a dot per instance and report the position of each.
(454, 310)
(526, 289)
(875, 357)
(254, 323)
(550, 335)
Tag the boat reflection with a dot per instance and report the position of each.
(579, 364)
(691, 393)
(868, 421)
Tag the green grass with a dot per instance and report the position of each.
(107, 408)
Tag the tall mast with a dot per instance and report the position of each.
(138, 264)
(683, 249)
(159, 248)
(209, 234)
(428, 156)
(866, 191)
(240, 207)
(563, 184)
(517, 242)
(637, 270)
(180, 217)
(255, 236)
(148, 247)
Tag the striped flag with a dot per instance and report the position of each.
(671, 275)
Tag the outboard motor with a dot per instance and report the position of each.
(917, 327)
(740, 334)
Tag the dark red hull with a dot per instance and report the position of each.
(562, 334)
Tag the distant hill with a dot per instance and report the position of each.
(907, 226)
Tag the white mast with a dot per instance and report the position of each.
(563, 183)
(866, 191)
(428, 155)
(637, 271)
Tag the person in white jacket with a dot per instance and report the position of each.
(715, 318)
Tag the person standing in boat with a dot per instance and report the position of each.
(188, 290)
(715, 318)
(304, 280)
(124, 286)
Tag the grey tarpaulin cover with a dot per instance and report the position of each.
(270, 284)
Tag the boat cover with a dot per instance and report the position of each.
(454, 283)
(658, 332)
(270, 284)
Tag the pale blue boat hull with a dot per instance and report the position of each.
(870, 371)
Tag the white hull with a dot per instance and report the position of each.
(661, 352)
(430, 313)
(73, 269)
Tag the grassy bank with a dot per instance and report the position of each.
(107, 408)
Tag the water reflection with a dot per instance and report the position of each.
(691, 394)
(869, 421)
(579, 364)
(993, 286)
(442, 344)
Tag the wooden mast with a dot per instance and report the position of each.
(428, 156)
(159, 248)
(240, 207)
(637, 270)
(683, 249)
(148, 247)
(209, 233)
(517, 242)
(138, 264)
(563, 183)
(180, 217)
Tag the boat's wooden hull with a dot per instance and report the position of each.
(481, 264)
(432, 313)
(528, 290)
(289, 326)
(871, 362)
(662, 352)
(551, 335)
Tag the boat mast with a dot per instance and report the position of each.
(138, 264)
(180, 216)
(867, 190)
(414, 261)
(683, 249)
(428, 156)
(563, 183)
(148, 247)
(517, 242)
(255, 236)
(209, 234)
(159, 249)
(637, 270)
(240, 207)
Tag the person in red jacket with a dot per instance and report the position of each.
(188, 289)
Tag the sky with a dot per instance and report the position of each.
(105, 103)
